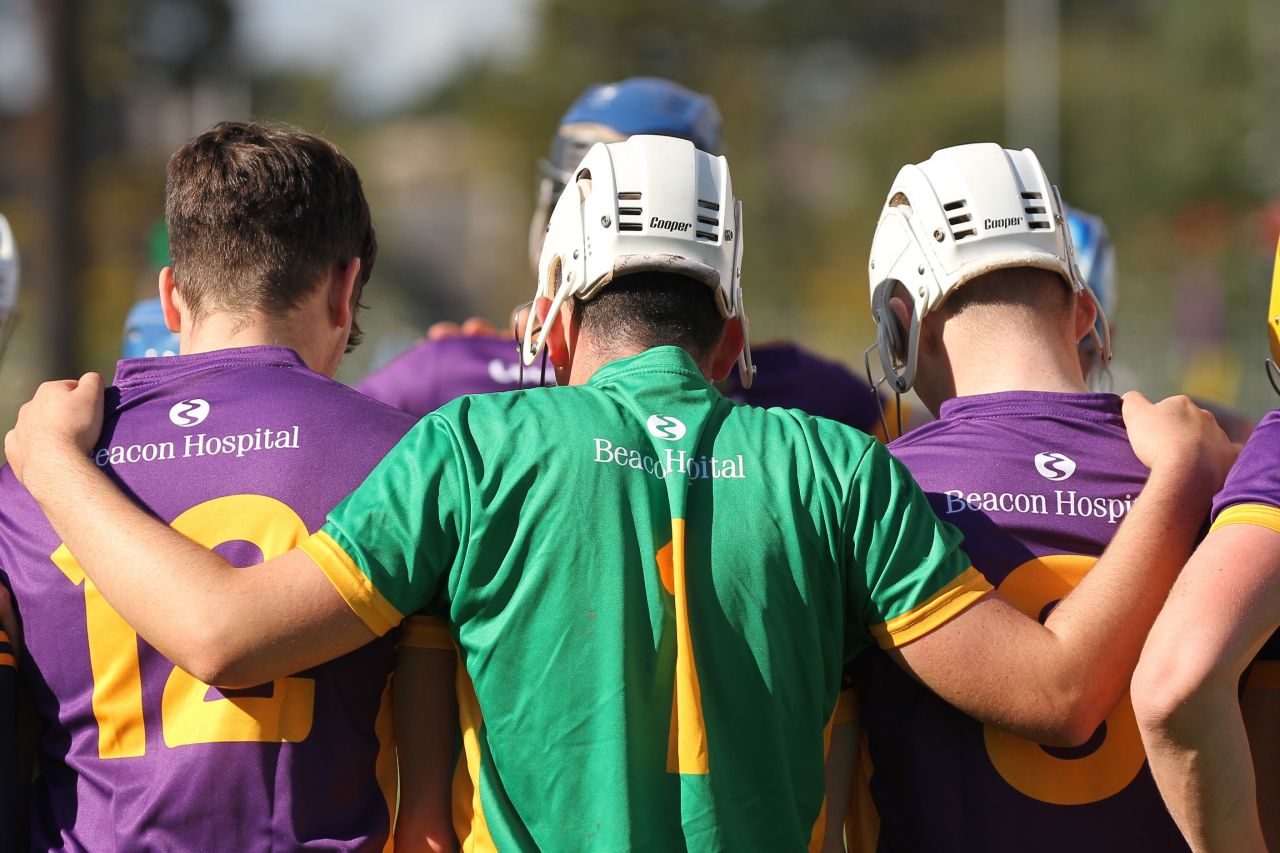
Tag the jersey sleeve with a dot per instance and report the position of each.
(1251, 494)
(388, 548)
(907, 575)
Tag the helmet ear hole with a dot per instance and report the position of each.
(894, 335)
(583, 180)
(555, 274)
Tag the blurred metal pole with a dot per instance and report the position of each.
(1032, 79)
(64, 242)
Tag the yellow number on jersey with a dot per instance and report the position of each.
(1026, 765)
(187, 716)
(687, 749)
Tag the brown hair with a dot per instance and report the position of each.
(1036, 289)
(259, 215)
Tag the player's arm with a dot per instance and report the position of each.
(1220, 612)
(1054, 683)
(842, 758)
(226, 626)
(426, 717)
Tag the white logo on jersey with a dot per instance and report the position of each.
(189, 413)
(503, 373)
(1055, 466)
(666, 427)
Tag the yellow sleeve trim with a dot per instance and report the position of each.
(1259, 514)
(1265, 675)
(8, 660)
(351, 583)
(426, 632)
(847, 708)
(942, 606)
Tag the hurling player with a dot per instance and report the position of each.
(243, 443)
(980, 306)
(654, 590)
(1221, 615)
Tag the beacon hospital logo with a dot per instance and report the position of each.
(1055, 466)
(666, 427)
(189, 413)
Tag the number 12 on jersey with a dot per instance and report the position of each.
(187, 714)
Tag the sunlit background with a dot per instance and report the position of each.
(1162, 117)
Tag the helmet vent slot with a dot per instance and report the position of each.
(709, 205)
(707, 220)
(703, 235)
(1032, 196)
(631, 217)
(958, 214)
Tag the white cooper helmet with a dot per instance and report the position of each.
(965, 211)
(649, 203)
(10, 273)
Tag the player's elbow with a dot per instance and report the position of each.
(1175, 692)
(1064, 713)
(211, 652)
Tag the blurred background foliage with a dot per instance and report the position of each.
(1166, 123)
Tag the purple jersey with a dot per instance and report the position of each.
(1251, 495)
(1038, 483)
(431, 373)
(245, 451)
(793, 378)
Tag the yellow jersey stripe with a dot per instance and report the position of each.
(351, 583)
(426, 632)
(1259, 514)
(942, 606)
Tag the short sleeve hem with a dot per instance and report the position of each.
(1256, 514)
(426, 632)
(933, 613)
(356, 589)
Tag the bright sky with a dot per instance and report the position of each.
(385, 50)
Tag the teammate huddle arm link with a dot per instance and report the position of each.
(1054, 683)
(226, 626)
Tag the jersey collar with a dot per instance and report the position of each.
(138, 371)
(666, 359)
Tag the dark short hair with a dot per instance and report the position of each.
(1041, 289)
(649, 309)
(258, 215)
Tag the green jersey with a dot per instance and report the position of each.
(654, 591)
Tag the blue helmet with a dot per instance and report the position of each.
(145, 332)
(1096, 259)
(611, 112)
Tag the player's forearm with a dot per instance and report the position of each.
(1199, 755)
(1102, 624)
(157, 579)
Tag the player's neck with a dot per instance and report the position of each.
(1021, 365)
(225, 331)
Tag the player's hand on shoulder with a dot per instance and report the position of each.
(64, 418)
(1176, 435)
